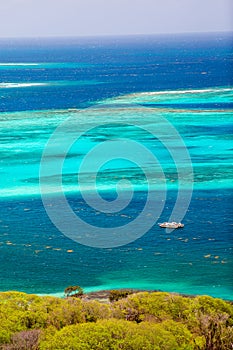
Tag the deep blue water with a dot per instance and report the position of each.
(44, 80)
(116, 66)
(37, 260)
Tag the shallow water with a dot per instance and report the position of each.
(124, 103)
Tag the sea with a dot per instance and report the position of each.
(152, 118)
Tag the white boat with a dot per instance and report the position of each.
(171, 225)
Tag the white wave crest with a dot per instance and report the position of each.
(189, 91)
(18, 64)
(20, 85)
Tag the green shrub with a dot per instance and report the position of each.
(116, 334)
(141, 321)
(117, 294)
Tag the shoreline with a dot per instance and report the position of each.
(180, 290)
(102, 295)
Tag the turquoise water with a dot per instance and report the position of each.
(206, 134)
(125, 88)
(195, 255)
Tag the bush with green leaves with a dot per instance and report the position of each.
(120, 334)
(140, 321)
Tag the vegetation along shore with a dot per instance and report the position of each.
(121, 319)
